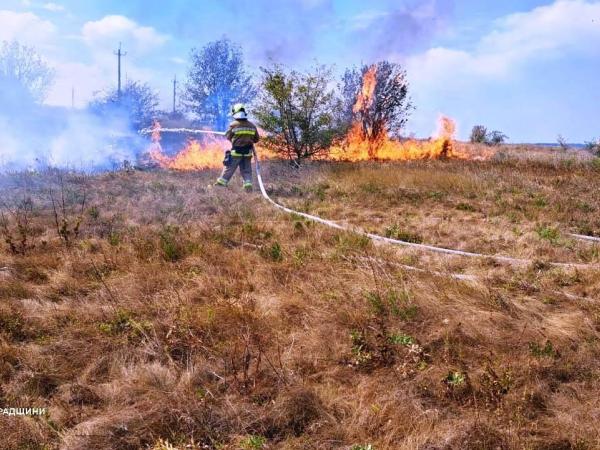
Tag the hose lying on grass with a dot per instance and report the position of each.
(387, 240)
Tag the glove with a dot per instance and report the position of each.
(227, 159)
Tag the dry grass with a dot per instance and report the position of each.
(181, 315)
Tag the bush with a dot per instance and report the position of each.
(480, 135)
(170, 243)
(297, 110)
(593, 146)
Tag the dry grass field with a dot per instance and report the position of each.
(152, 312)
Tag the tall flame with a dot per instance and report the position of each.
(367, 94)
(361, 145)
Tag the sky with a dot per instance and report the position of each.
(529, 68)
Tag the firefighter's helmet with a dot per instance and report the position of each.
(238, 111)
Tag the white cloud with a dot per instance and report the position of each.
(54, 7)
(547, 32)
(111, 29)
(455, 81)
(26, 28)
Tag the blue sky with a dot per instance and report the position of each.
(529, 68)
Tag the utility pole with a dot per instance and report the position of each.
(174, 92)
(73, 97)
(119, 54)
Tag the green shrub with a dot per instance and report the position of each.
(466, 207)
(254, 443)
(548, 233)
(395, 232)
(547, 351)
(401, 339)
(170, 243)
(455, 379)
(124, 323)
(274, 252)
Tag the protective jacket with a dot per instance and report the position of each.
(243, 134)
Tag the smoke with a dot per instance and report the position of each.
(398, 30)
(295, 32)
(34, 136)
(285, 32)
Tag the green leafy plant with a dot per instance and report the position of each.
(170, 243)
(401, 339)
(124, 323)
(548, 233)
(254, 443)
(396, 232)
(466, 207)
(273, 252)
(545, 351)
(455, 379)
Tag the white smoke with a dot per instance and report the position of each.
(34, 137)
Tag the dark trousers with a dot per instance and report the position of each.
(245, 165)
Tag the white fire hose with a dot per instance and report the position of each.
(180, 130)
(372, 236)
(376, 237)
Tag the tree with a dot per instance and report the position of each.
(377, 97)
(497, 138)
(479, 135)
(216, 80)
(593, 146)
(350, 87)
(137, 104)
(298, 111)
(24, 75)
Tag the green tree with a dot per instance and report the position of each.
(137, 104)
(24, 75)
(479, 134)
(298, 110)
(217, 79)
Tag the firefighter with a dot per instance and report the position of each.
(243, 134)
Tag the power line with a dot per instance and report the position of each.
(119, 54)
(174, 93)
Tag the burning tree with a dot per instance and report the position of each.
(298, 112)
(376, 98)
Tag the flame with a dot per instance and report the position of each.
(360, 143)
(357, 147)
(367, 94)
(196, 155)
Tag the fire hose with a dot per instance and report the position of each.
(372, 236)
(179, 130)
(387, 240)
